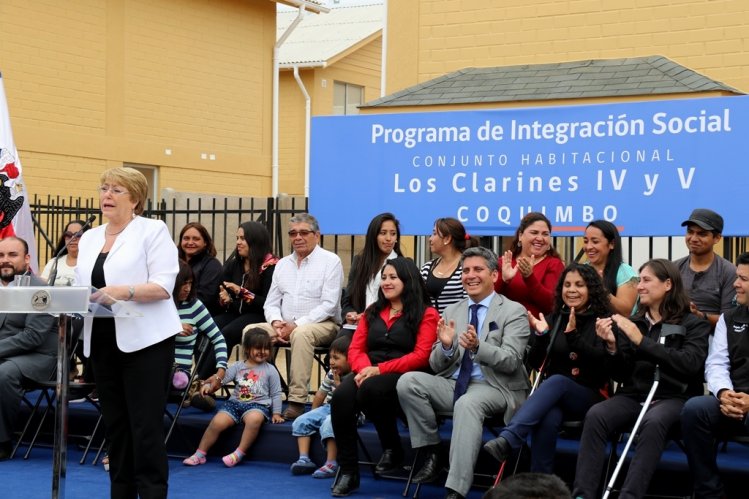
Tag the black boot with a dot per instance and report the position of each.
(345, 484)
(430, 470)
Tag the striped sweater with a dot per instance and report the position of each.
(194, 313)
(443, 292)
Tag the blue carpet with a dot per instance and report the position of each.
(267, 467)
(32, 478)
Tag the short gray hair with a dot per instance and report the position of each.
(492, 261)
(306, 218)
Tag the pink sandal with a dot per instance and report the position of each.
(194, 460)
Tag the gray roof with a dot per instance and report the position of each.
(319, 39)
(654, 75)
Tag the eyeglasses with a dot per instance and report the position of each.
(115, 190)
(71, 235)
(303, 233)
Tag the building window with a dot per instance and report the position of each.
(347, 98)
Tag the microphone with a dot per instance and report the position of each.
(53, 270)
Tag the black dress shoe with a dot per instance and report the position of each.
(390, 461)
(346, 484)
(6, 449)
(499, 449)
(430, 471)
(451, 494)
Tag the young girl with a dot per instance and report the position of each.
(257, 392)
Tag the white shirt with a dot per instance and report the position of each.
(718, 365)
(308, 293)
(65, 273)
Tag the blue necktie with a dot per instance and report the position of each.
(466, 364)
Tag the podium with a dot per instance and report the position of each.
(61, 301)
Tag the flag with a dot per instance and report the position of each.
(15, 214)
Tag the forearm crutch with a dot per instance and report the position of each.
(667, 330)
(536, 382)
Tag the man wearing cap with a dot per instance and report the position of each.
(708, 277)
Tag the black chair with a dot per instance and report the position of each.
(493, 424)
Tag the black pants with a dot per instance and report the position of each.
(617, 414)
(378, 400)
(132, 391)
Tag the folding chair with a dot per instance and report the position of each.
(180, 396)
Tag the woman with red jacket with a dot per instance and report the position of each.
(394, 336)
(531, 267)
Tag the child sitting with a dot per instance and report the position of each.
(319, 417)
(257, 392)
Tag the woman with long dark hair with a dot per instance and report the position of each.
(394, 336)
(247, 276)
(531, 267)
(603, 246)
(195, 246)
(67, 248)
(574, 373)
(381, 242)
(635, 350)
(442, 274)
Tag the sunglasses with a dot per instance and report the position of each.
(303, 233)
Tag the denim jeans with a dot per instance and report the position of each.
(310, 422)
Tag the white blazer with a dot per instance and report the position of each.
(143, 253)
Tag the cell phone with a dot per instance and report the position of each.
(231, 293)
(246, 293)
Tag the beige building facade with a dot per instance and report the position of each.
(180, 89)
(429, 38)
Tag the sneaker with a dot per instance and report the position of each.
(303, 467)
(194, 460)
(327, 470)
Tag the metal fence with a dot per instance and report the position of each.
(222, 216)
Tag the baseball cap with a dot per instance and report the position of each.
(707, 219)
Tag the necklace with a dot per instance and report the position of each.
(394, 311)
(119, 231)
(451, 267)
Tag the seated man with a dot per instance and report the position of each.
(724, 412)
(28, 343)
(708, 277)
(478, 359)
(303, 305)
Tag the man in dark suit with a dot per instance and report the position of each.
(28, 343)
(478, 358)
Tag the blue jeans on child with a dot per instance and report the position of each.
(310, 422)
(237, 410)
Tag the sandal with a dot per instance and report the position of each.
(194, 460)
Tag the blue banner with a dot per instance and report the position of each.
(641, 165)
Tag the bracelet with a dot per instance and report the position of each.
(131, 290)
(704, 316)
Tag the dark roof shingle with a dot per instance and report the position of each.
(654, 75)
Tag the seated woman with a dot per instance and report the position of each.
(67, 248)
(195, 320)
(197, 249)
(574, 372)
(531, 267)
(67, 259)
(247, 276)
(635, 351)
(394, 336)
(442, 275)
(380, 243)
(603, 246)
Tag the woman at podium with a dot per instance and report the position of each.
(131, 259)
